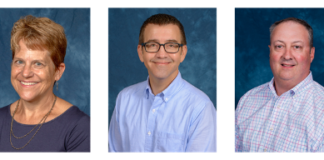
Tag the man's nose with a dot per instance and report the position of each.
(287, 53)
(161, 53)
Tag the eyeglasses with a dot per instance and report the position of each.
(170, 47)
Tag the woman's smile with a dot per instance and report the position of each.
(27, 83)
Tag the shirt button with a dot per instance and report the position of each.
(271, 129)
(166, 99)
(278, 107)
(149, 133)
(153, 110)
(265, 150)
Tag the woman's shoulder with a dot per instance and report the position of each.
(70, 111)
(4, 115)
(72, 120)
(74, 112)
(4, 110)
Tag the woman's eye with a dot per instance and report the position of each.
(19, 62)
(38, 64)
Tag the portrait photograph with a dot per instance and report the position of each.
(135, 61)
(45, 71)
(279, 79)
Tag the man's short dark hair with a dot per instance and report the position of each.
(162, 19)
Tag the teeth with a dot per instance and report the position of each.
(26, 83)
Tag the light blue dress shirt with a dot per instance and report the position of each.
(180, 119)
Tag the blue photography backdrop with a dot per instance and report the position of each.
(125, 68)
(252, 37)
(74, 86)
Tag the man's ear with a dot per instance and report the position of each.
(140, 52)
(59, 71)
(183, 52)
(312, 54)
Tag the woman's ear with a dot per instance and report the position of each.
(59, 71)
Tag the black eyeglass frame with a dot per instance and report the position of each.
(180, 45)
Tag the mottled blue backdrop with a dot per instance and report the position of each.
(252, 37)
(125, 68)
(74, 86)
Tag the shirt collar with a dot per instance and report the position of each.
(166, 94)
(298, 89)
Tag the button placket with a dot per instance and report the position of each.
(151, 122)
(270, 125)
(151, 125)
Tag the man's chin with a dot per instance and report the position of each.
(160, 77)
(163, 75)
(286, 76)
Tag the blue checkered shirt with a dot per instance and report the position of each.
(292, 122)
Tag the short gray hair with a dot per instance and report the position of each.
(299, 21)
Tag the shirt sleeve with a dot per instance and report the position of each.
(320, 148)
(235, 133)
(114, 138)
(238, 141)
(202, 132)
(79, 139)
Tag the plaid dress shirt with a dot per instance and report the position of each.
(292, 122)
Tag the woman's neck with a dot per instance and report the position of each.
(33, 110)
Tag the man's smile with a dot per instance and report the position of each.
(161, 63)
(287, 65)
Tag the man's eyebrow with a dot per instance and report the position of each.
(169, 40)
(152, 40)
(298, 41)
(172, 40)
(279, 41)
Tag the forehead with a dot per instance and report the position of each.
(162, 32)
(290, 31)
(25, 52)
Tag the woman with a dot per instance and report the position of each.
(39, 120)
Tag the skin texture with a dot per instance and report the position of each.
(162, 67)
(290, 55)
(36, 98)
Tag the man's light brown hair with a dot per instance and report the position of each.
(296, 20)
(162, 19)
(40, 34)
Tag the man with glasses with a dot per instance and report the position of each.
(164, 113)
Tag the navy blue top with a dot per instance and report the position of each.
(68, 132)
